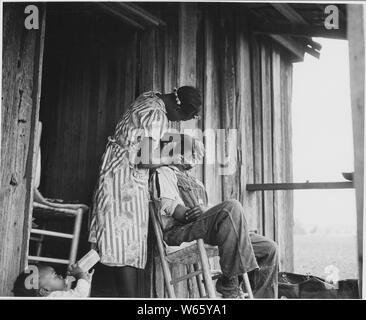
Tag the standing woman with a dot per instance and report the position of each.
(120, 209)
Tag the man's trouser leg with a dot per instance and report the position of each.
(225, 226)
(265, 279)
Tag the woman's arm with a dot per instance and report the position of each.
(151, 158)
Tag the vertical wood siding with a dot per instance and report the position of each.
(22, 52)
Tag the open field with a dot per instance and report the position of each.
(313, 252)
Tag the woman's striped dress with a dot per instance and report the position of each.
(120, 211)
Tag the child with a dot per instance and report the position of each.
(53, 285)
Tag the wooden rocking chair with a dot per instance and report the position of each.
(194, 254)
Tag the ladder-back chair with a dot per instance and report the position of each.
(50, 210)
(197, 254)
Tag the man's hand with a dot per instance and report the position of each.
(185, 215)
(193, 214)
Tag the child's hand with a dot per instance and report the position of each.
(75, 271)
(89, 276)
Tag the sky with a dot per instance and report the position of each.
(322, 135)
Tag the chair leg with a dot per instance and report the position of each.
(206, 270)
(39, 244)
(201, 288)
(248, 288)
(190, 282)
(75, 240)
(166, 272)
(168, 278)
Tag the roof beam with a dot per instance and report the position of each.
(311, 50)
(290, 44)
(142, 14)
(289, 13)
(298, 30)
(131, 14)
(112, 10)
(295, 18)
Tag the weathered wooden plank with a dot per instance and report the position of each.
(171, 53)
(245, 120)
(187, 53)
(356, 17)
(257, 128)
(277, 146)
(35, 137)
(288, 203)
(131, 72)
(211, 116)
(283, 214)
(267, 136)
(148, 76)
(21, 56)
(200, 53)
(187, 44)
(229, 116)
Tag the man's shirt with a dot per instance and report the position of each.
(166, 194)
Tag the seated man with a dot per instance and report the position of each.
(181, 201)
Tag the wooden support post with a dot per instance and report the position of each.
(287, 214)
(21, 85)
(277, 140)
(257, 128)
(267, 136)
(356, 19)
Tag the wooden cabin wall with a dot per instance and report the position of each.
(272, 142)
(22, 53)
(246, 84)
(249, 79)
(96, 67)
